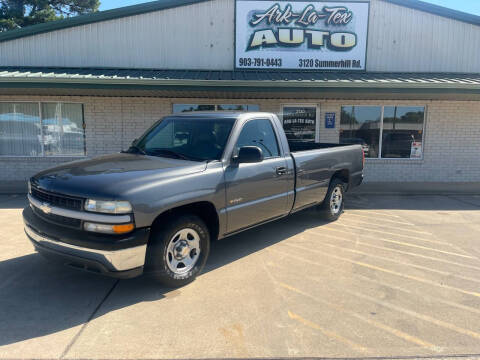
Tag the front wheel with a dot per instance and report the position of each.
(178, 252)
(332, 206)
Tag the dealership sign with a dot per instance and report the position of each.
(317, 35)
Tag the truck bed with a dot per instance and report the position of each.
(315, 165)
(296, 146)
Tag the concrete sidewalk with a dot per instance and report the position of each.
(395, 276)
(418, 188)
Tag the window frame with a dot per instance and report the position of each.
(274, 135)
(382, 112)
(43, 156)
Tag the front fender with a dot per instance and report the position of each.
(207, 186)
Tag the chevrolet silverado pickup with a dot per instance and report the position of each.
(190, 179)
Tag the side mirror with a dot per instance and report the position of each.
(249, 154)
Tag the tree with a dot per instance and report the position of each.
(15, 14)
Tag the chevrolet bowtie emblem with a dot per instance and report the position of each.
(46, 208)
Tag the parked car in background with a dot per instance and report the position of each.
(397, 145)
(20, 137)
(365, 146)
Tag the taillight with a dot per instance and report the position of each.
(363, 158)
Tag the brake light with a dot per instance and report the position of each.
(363, 158)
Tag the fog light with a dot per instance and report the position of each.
(107, 228)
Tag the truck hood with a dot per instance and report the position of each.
(113, 176)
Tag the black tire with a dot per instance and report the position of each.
(159, 254)
(327, 212)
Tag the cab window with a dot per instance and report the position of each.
(259, 132)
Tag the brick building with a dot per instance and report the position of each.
(400, 77)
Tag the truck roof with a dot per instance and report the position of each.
(217, 114)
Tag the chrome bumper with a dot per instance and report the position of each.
(117, 260)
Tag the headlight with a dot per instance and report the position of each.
(110, 207)
(108, 229)
(29, 187)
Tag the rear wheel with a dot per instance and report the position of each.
(332, 206)
(178, 252)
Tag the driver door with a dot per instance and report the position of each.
(256, 192)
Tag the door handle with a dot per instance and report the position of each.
(281, 170)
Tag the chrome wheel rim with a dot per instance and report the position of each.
(336, 200)
(183, 251)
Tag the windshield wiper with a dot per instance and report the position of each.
(174, 154)
(138, 149)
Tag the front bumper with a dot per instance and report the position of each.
(121, 257)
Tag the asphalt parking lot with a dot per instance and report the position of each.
(395, 276)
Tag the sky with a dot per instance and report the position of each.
(469, 6)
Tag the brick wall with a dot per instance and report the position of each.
(451, 147)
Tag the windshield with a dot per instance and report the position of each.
(196, 139)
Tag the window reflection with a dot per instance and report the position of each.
(361, 125)
(62, 129)
(402, 131)
(58, 131)
(179, 108)
(20, 130)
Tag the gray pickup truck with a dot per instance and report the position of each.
(190, 179)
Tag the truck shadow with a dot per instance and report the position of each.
(38, 298)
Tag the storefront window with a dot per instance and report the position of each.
(20, 129)
(300, 122)
(400, 129)
(361, 125)
(62, 126)
(58, 131)
(179, 108)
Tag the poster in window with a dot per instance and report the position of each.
(300, 122)
(416, 150)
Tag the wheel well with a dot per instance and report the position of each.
(343, 175)
(203, 209)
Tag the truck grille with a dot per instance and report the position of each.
(58, 219)
(63, 201)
